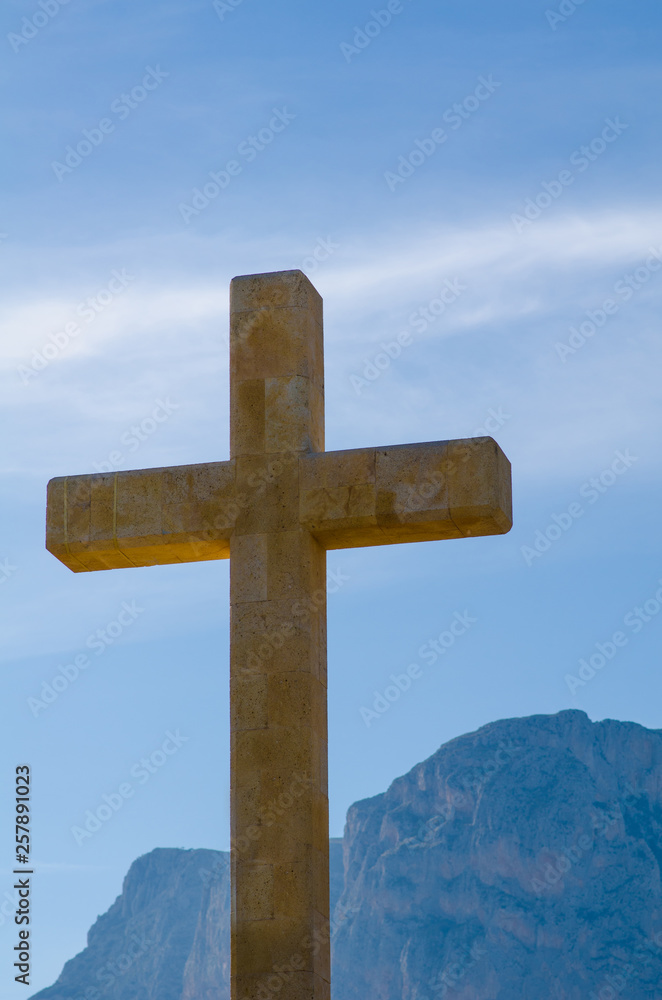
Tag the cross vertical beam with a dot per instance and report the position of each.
(280, 864)
(274, 509)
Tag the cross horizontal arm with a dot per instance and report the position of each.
(406, 493)
(145, 518)
(347, 499)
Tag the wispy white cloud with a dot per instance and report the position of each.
(168, 331)
(384, 270)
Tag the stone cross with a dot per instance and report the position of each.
(274, 509)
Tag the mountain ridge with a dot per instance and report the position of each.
(518, 862)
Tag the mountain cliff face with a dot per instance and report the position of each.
(138, 950)
(521, 862)
(167, 936)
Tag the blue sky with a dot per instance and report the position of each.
(506, 110)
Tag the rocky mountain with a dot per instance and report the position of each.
(167, 936)
(520, 862)
(140, 948)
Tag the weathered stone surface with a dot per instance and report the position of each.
(280, 883)
(521, 862)
(406, 493)
(143, 518)
(275, 508)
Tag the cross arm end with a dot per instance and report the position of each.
(143, 518)
(407, 493)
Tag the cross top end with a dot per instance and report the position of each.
(276, 365)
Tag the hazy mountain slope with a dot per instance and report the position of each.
(521, 862)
